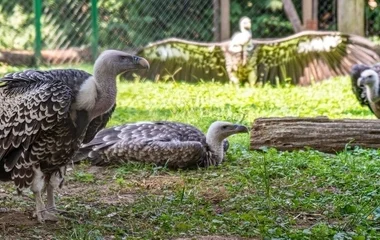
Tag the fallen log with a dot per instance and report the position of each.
(320, 133)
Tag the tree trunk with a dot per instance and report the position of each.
(354, 24)
(292, 15)
(225, 20)
(310, 14)
(321, 133)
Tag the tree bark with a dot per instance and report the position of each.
(321, 133)
(310, 14)
(292, 15)
(225, 20)
(354, 24)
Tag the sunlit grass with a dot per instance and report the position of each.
(264, 195)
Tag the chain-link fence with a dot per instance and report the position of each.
(74, 30)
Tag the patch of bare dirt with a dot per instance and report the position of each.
(20, 225)
(159, 183)
(214, 194)
(306, 220)
(16, 221)
(14, 218)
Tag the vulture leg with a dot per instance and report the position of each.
(233, 76)
(50, 198)
(37, 189)
(56, 181)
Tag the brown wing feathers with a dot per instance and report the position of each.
(36, 105)
(303, 58)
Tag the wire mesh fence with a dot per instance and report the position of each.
(74, 30)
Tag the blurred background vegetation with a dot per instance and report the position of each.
(130, 24)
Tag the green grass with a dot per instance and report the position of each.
(265, 195)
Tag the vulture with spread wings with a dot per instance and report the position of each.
(302, 58)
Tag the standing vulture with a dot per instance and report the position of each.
(46, 115)
(176, 145)
(366, 86)
(300, 58)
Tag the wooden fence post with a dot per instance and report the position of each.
(225, 19)
(310, 14)
(351, 16)
(216, 20)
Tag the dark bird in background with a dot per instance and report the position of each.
(302, 58)
(46, 115)
(171, 144)
(365, 85)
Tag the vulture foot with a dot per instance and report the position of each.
(45, 215)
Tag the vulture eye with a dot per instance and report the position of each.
(224, 127)
(123, 57)
(135, 59)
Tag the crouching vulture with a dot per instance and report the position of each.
(46, 115)
(301, 59)
(171, 144)
(366, 86)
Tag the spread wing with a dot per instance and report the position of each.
(31, 102)
(309, 56)
(185, 60)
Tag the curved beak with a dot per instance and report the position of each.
(143, 63)
(241, 128)
(360, 82)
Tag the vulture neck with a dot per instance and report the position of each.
(246, 32)
(105, 82)
(216, 145)
(373, 90)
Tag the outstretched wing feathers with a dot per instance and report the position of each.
(301, 58)
(311, 56)
(185, 60)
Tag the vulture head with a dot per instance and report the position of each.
(217, 132)
(116, 62)
(97, 94)
(245, 24)
(370, 80)
(220, 130)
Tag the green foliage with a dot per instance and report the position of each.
(17, 29)
(268, 17)
(373, 20)
(131, 24)
(81, 176)
(137, 24)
